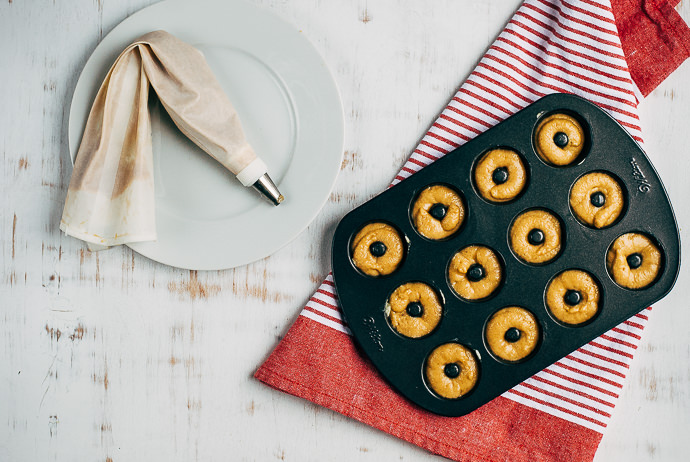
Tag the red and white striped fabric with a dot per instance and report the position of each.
(560, 413)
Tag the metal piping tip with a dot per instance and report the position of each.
(268, 189)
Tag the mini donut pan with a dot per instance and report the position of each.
(402, 360)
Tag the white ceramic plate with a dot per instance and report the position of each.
(291, 113)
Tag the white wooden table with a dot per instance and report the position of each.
(112, 357)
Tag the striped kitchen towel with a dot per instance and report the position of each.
(560, 413)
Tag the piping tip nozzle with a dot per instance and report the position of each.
(268, 189)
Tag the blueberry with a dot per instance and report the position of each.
(597, 199)
(634, 260)
(378, 249)
(500, 175)
(438, 211)
(512, 335)
(476, 272)
(414, 309)
(561, 139)
(536, 236)
(451, 370)
(572, 297)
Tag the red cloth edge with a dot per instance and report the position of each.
(290, 368)
(650, 30)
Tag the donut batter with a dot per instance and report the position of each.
(438, 212)
(597, 199)
(500, 175)
(634, 261)
(452, 370)
(512, 333)
(475, 272)
(573, 297)
(559, 139)
(377, 249)
(536, 236)
(414, 309)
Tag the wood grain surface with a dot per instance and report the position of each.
(112, 357)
